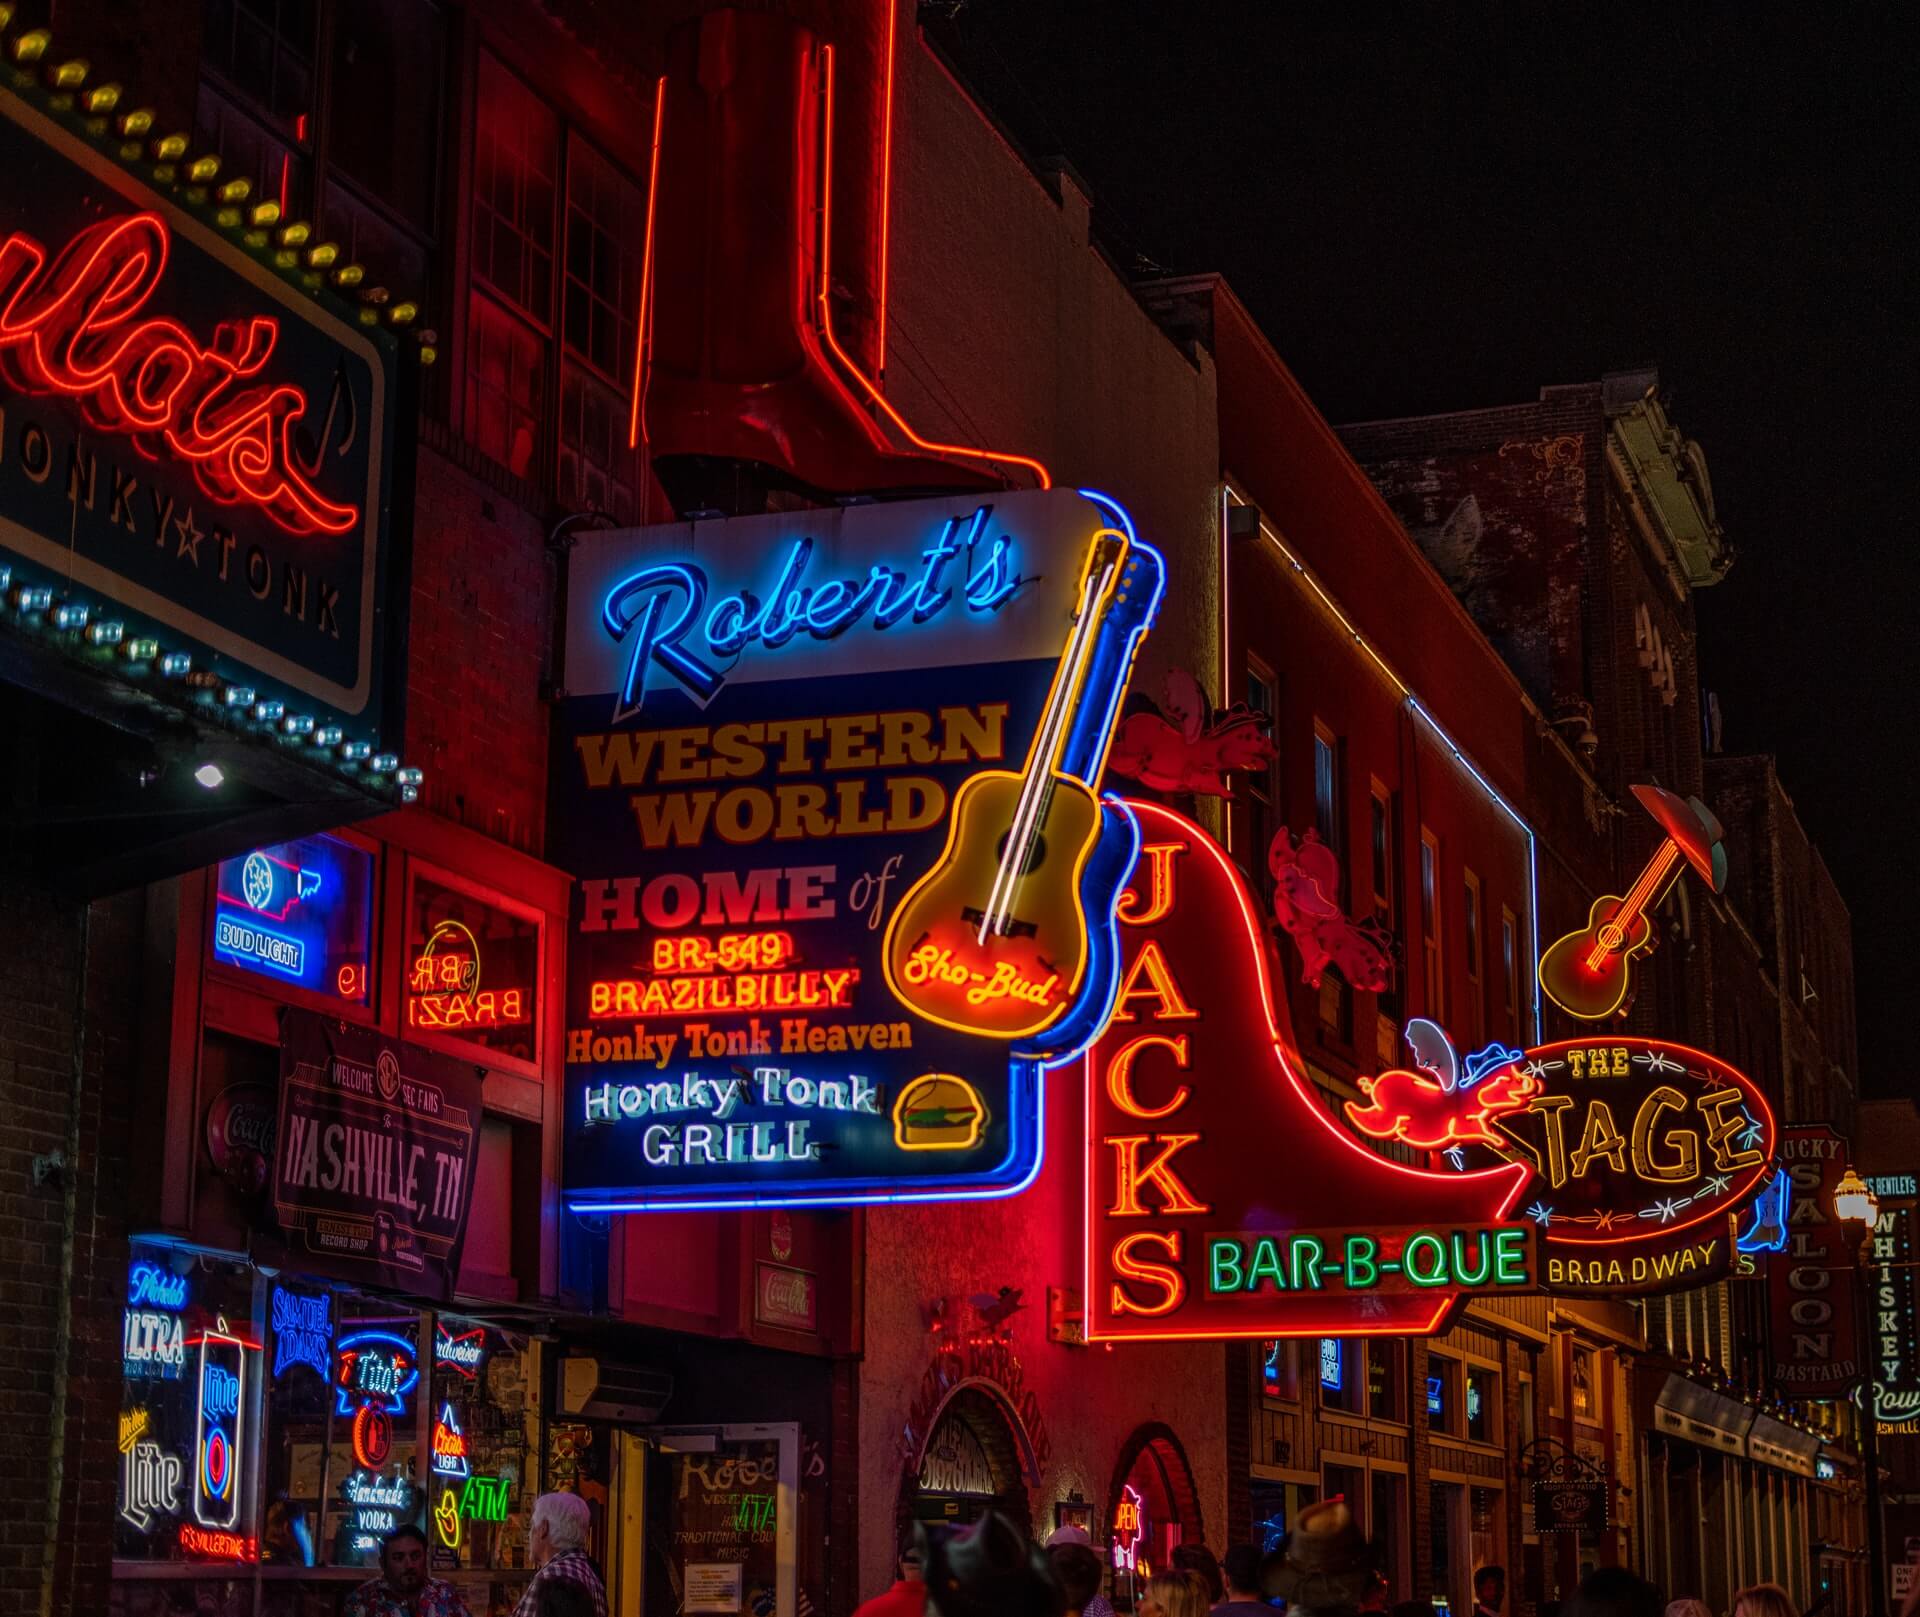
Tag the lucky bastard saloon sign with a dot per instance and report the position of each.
(828, 782)
(190, 445)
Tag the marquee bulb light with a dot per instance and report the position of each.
(356, 751)
(239, 696)
(106, 632)
(32, 598)
(175, 663)
(269, 712)
(297, 724)
(101, 99)
(410, 777)
(383, 763)
(70, 615)
(328, 735)
(6, 579)
(210, 776)
(140, 649)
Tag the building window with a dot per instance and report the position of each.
(524, 163)
(1483, 1405)
(298, 916)
(1432, 955)
(1280, 1369)
(1386, 1378)
(1510, 970)
(1341, 1379)
(1586, 1393)
(352, 142)
(1476, 1018)
(473, 972)
(1385, 837)
(1443, 1395)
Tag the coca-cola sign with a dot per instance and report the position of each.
(196, 448)
(787, 1298)
(240, 1135)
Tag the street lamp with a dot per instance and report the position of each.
(1857, 1208)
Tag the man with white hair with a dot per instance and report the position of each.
(558, 1541)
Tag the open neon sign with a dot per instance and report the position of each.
(72, 329)
(657, 608)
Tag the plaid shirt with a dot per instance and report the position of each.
(569, 1566)
(374, 1599)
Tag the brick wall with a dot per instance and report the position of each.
(76, 1221)
(482, 604)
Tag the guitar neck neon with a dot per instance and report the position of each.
(1652, 881)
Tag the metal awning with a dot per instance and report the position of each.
(1711, 1420)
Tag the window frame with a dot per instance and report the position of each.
(415, 869)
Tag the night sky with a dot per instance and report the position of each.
(1433, 207)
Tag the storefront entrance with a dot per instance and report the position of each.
(976, 1460)
(706, 1521)
(1155, 1508)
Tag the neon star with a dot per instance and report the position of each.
(1604, 1221)
(1541, 1214)
(1660, 1061)
(1715, 1186)
(1456, 1156)
(1668, 1210)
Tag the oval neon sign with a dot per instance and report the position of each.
(1633, 1139)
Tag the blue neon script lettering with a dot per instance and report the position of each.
(659, 607)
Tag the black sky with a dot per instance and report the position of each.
(1434, 207)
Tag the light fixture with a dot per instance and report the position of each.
(210, 776)
(176, 663)
(1855, 1204)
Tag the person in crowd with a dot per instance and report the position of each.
(1764, 1600)
(557, 1540)
(1613, 1591)
(990, 1569)
(1198, 1558)
(1688, 1606)
(908, 1596)
(1325, 1566)
(1240, 1570)
(559, 1599)
(1071, 1550)
(403, 1588)
(1176, 1593)
(1489, 1591)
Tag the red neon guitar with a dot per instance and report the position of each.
(994, 938)
(1589, 973)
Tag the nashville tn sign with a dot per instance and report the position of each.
(829, 787)
(1222, 1199)
(189, 445)
(1639, 1149)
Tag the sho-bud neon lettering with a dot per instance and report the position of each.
(71, 329)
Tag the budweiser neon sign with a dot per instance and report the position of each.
(72, 326)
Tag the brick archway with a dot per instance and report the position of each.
(1155, 1461)
(983, 1410)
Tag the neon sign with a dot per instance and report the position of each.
(706, 963)
(218, 1546)
(446, 1520)
(372, 1433)
(218, 1450)
(1635, 1139)
(449, 1444)
(1129, 1527)
(1816, 1351)
(1443, 1110)
(149, 1476)
(380, 1504)
(443, 988)
(1332, 1364)
(655, 609)
(464, 1352)
(291, 912)
(484, 1499)
(1896, 1381)
(1188, 1231)
(149, 1286)
(302, 1330)
(374, 1367)
(153, 1344)
(1767, 1228)
(72, 330)
(1589, 972)
(1893, 1184)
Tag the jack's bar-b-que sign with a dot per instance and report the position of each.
(190, 446)
(1640, 1149)
(374, 1154)
(1222, 1199)
(828, 782)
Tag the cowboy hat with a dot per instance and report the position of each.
(987, 1570)
(1324, 1562)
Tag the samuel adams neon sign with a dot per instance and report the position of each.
(71, 329)
(655, 609)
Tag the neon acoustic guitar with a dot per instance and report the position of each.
(1589, 973)
(1009, 932)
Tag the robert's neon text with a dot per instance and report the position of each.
(657, 608)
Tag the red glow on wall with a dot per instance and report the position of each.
(70, 329)
(1201, 1122)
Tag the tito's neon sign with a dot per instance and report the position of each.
(659, 607)
(71, 329)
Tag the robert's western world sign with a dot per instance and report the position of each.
(829, 783)
(190, 446)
